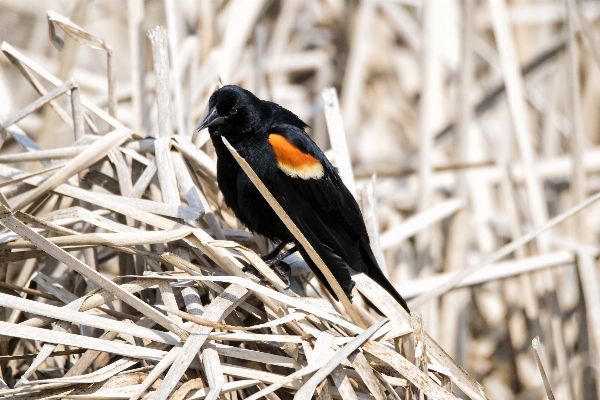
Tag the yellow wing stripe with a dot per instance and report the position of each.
(293, 161)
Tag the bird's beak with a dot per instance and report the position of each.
(212, 119)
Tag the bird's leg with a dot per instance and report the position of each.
(280, 256)
(274, 252)
(280, 267)
(275, 260)
(269, 259)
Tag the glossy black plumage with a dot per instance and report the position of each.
(313, 195)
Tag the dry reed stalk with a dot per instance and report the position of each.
(135, 14)
(90, 40)
(578, 178)
(171, 15)
(337, 137)
(541, 362)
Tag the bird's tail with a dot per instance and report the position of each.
(377, 275)
(380, 278)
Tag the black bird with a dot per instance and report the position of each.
(273, 141)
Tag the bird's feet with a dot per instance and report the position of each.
(275, 260)
(282, 269)
(272, 261)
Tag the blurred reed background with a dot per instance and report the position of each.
(473, 122)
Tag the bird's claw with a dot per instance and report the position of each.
(252, 270)
(271, 260)
(282, 269)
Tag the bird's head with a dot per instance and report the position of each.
(233, 112)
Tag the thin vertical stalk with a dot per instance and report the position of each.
(158, 38)
(171, 14)
(578, 178)
(136, 48)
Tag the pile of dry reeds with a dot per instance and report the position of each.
(121, 268)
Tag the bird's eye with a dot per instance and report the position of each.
(233, 111)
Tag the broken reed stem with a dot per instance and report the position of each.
(135, 13)
(171, 15)
(541, 363)
(78, 128)
(368, 203)
(337, 137)
(158, 38)
(112, 82)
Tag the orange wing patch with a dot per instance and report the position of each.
(293, 161)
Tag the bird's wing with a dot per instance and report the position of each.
(314, 196)
(322, 204)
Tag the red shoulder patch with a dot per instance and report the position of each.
(293, 161)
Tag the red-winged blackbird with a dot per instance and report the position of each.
(273, 141)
